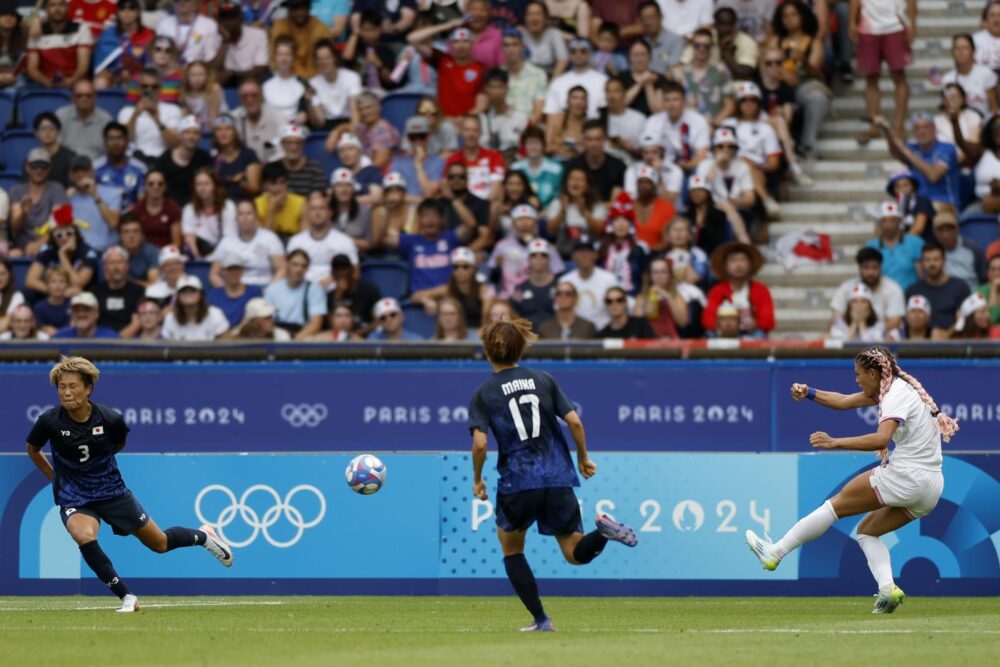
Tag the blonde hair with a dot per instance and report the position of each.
(505, 341)
(57, 271)
(83, 367)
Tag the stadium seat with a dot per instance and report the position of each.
(980, 229)
(389, 277)
(111, 100)
(206, 142)
(232, 98)
(199, 268)
(399, 107)
(15, 146)
(418, 321)
(6, 109)
(20, 265)
(316, 150)
(8, 179)
(33, 102)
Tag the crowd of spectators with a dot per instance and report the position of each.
(601, 168)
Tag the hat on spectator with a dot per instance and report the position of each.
(539, 247)
(386, 306)
(416, 125)
(460, 35)
(81, 163)
(171, 253)
(189, 122)
(85, 299)
(38, 154)
(343, 176)
(727, 309)
(292, 131)
(860, 291)
(650, 139)
(722, 253)
(972, 303)
(233, 259)
(224, 119)
(584, 242)
(698, 182)
(258, 307)
(747, 89)
(889, 209)
(724, 135)
(341, 261)
(623, 206)
(463, 255)
(189, 282)
(349, 139)
(904, 174)
(393, 179)
(62, 216)
(580, 42)
(679, 258)
(919, 302)
(524, 211)
(945, 219)
(643, 170)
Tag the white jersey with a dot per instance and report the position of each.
(681, 139)
(918, 440)
(757, 141)
(322, 251)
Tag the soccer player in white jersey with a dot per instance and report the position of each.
(906, 486)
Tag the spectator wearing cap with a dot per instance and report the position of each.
(114, 168)
(624, 123)
(665, 45)
(172, 263)
(990, 290)
(349, 215)
(534, 298)
(485, 166)
(180, 164)
(48, 131)
(758, 146)
(735, 264)
(160, 216)
(859, 322)
(670, 177)
(395, 210)
(526, 82)
(305, 32)
(232, 296)
(335, 89)
(978, 81)
(114, 66)
(567, 323)
(421, 169)
(390, 322)
(284, 90)
(917, 321)
(460, 77)
(580, 73)
(964, 259)
(84, 315)
(916, 209)
(576, 211)
(236, 165)
(944, 292)
(711, 225)
(371, 55)
(707, 80)
(469, 289)
(366, 175)
(99, 206)
(143, 257)
(545, 44)
(192, 317)
(150, 316)
(196, 35)
(591, 282)
(58, 49)
(379, 139)
(153, 125)
(652, 213)
(258, 323)
(510, 256)
(501, 123)
(727, 322)
(259, 125)
(117, 297)
(606, 172)
(620, 324)
(886, 295)
(300, 304)
(65, 247)
(359, 295)
(545, 175)
(52, 312)
(82, 122)
(321, 241)
(243, 51)
(661, 303)
(934, 164)
(974, 320)
(684, 131)
(730, 181)
(620, 253)
(305, 175)
(32, 202)
(900, 252)
(261, 249)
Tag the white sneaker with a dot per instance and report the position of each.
(217, 547)
(130, 603)
(763, 550)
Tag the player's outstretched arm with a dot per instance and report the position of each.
(872, 442)
(587, 467)
(36, 456)
(831, 399)
(479, 441)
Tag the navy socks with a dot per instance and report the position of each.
(99, 562)
(523, 580)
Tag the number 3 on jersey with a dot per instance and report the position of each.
(515, 412)
(84, 453)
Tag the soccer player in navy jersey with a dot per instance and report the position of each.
(87, 485)
(521, 406)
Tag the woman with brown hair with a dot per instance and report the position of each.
(238, 167)
(451, 324)
(159, 215)
(192, 318)
(209, 216)
(661, 302)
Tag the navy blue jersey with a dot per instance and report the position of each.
(521, 406)
(83, 454)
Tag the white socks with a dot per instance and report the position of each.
(807, 529)
(878, 561)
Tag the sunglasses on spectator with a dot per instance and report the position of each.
(38, 165)
(614, 300)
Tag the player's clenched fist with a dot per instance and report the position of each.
(799, 391)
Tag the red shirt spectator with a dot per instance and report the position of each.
(92, 13)
(485, 166)
(735, 264)
(61, 53)
(459, 76)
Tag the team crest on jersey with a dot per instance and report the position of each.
(130, 180)
(70, 511)
(471, 75)
(442, 246)
(98, 430)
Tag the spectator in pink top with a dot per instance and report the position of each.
(487, 43)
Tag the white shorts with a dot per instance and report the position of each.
(915, 490)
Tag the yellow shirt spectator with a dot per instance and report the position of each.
(287, 220)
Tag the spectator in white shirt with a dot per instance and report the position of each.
(321, 242)
(580, 74)
(209, 216)
(259, 125)
(730, 181)
(978, 81)
(196, 36)
(886, 294)
(152, 124)
(591, 283)
(334, 87)
(683, 132)
(759, 145)
(262, 248)
(683, 17)
(285, 91)
(192, 318)
(988, 39)
(624, 122)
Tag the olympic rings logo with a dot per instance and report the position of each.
(304, 414)
(35, 411)
(261, 523)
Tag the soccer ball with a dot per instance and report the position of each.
(365, 474)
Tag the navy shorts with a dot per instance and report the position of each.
(124, 514)
(556, 511)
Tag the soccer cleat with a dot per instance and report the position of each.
(763, 550)
(886, 604)
(617, 532)
(540, 626)
(130, 603)
(217, 547)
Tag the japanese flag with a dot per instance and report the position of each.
(98, 430)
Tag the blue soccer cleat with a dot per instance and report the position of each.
(540, 626)
(616, 532)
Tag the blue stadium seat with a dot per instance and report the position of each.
(8, 179)
(6, 109)
(20, 265)
(206, 142)
(33, 102)
(111, 100)
(316, 150)
(232, 98)
(15, 146)
(389, 277)
(418, 321)
(980, 229)
(199, 268)
(399, 107)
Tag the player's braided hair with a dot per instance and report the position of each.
(881, 359)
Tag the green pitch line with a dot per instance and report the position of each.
(605, 632)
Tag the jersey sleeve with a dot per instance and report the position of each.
(479, 419)
(40, 432)
(560, 402)
(896, 405)
(117, 428)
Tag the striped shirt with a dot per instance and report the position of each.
(57, 51)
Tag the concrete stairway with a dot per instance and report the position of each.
(850, 180)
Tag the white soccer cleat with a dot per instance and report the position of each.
(763, 550)
(887, 603)
(217, 546)
(130, 603)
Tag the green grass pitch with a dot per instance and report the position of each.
(474, 632)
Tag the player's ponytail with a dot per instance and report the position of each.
(505, 341)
